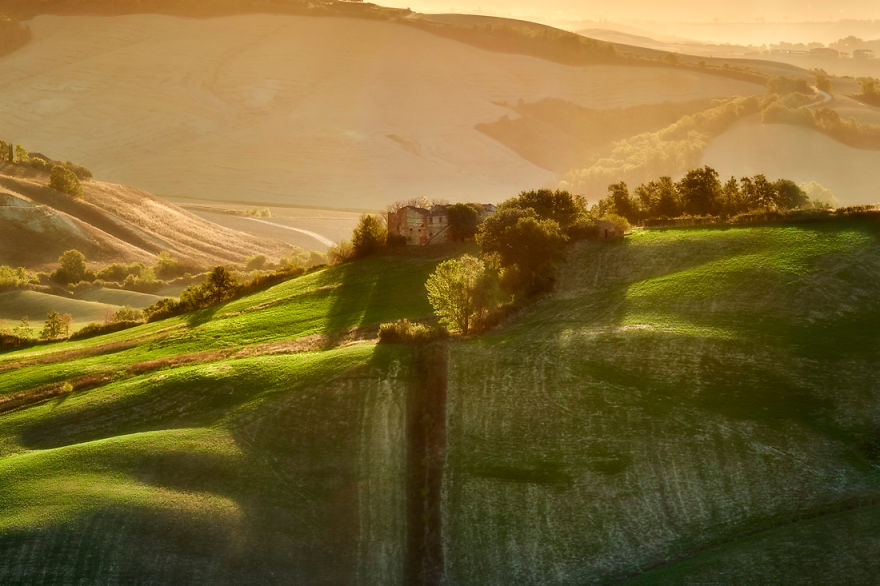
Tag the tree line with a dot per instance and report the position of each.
(702, 193)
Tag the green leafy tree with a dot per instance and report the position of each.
(65, 180)
(220, 284)
(700, 191)
(463, 221)
(460, 291)
(789, 196)
(369, 236)
(56, 326)
(527, 246)
(20, 155)
(668, 202)
(764, 192)
(621, 203)
(731, 198)
(559, 206)
(23, 329)
(72, 269)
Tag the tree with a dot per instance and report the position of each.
(731, 197)
(789, 196)
(460, 291)
(764, 192)
(65, 180)
(56, 326)
(668, 203)
(369, 236)
(463, 221)
(167, 266)
(20, 155)
(23, 329)
(621, 202)
(219, 285)
(525, 245)
(72, 269)
(700, 191)
(559, 206)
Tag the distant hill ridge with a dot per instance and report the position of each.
(110, 223)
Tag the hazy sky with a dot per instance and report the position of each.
(679, 10)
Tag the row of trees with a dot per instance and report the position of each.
(700, 193)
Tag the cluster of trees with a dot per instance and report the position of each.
(219, 285)
(521, 245)
(135, 276)
(701, 193)
(827, 121)
(64, 176)
(870, 90)
(15, 278)
(673, 149)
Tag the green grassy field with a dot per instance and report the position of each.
(689, 406)
(272, 453)
(703, 401)
(36, 306)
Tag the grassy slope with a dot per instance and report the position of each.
(272, 466)
(36, 305)
(684, 393)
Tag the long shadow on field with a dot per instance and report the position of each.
(376, 290)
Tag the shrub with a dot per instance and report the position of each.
(40, 163)
(78, 170)
(341, 252)
(92, 330)
(65, 181)
(620, 223)
(128, 314)
(256, 262)
(404, 331)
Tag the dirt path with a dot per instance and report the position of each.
(322, 239)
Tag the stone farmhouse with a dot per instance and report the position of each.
(422, 226)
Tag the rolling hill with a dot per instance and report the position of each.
(329, 112)
(801, 154)
(689, 404)
(110, 223)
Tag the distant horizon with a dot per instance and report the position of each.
(782, 17)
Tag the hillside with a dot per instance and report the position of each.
(110, 223)
(704, 401)
(695, 404)
(801, 154)
(185, 454)
(328, 112)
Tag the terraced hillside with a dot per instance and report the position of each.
(248, 443)
(702, 401)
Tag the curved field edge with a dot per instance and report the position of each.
(678, 390)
